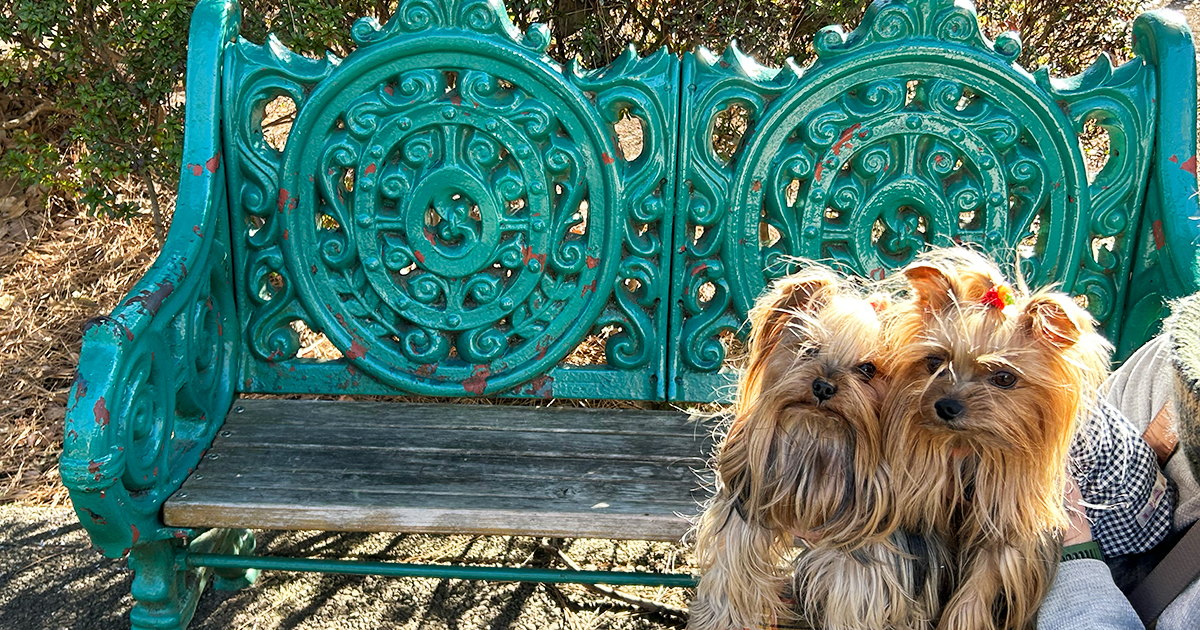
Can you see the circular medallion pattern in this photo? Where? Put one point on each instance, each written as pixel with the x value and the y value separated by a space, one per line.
pixel 451 231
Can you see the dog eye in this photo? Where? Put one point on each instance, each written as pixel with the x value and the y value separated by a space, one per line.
pixel 1004 379
pixel 867 370
pixel 933 364
pixel 811 351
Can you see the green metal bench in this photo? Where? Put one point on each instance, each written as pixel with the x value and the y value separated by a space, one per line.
pixel 453 212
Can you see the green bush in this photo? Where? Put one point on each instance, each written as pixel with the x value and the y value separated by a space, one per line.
pixel 103 80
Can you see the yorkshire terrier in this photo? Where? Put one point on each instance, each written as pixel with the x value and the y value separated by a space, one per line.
pixel 987 384
pixel 804 458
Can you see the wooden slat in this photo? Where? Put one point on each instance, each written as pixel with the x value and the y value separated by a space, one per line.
pixel 371 466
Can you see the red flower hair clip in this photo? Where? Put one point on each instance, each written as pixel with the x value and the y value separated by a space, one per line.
pixel 998 296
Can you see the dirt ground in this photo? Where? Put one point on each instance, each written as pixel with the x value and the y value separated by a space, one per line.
pixel 54 580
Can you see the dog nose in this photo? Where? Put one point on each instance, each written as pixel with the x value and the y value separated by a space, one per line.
pixel 948 409
pixel 823 389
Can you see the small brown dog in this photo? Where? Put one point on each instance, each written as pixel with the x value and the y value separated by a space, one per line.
pixel 804 457
pixel 987 386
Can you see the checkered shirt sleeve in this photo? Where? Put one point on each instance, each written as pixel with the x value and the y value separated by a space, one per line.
pixel 1128 499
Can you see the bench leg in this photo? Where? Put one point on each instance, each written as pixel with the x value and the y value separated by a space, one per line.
pixel 164 595
pixel 239 542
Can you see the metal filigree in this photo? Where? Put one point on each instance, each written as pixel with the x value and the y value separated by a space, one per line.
pixel 913 130
pixel 456 219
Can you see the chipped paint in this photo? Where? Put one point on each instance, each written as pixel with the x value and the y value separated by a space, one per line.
pixel 213 163
pixel 608 159
pixel 757 186
pixel 135 533
pixel 592 262
pixel 100 411
pixel 699 269
pixel 426 370
pixel 527 252
pixel 196 169
pixel 1189 166
pixel 370 170
pixel 419 256
pixel 151 301
pixel 356 351
pixel 96 518
pixel 542 387
pixel 844 141
pixel 477 383
pixel 1160 240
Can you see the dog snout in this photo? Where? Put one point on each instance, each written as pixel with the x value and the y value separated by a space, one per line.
pixel 823 389
pixel 948 409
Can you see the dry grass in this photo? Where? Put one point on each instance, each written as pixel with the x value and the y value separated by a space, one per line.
pixel 57 270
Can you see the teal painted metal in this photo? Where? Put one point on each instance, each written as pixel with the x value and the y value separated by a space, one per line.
pixel 452 211
pixel 1165 266
pixel 913 130
pixel 155 377
pixel 438 571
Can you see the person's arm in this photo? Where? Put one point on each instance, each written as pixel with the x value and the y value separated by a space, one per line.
pixel 1083 595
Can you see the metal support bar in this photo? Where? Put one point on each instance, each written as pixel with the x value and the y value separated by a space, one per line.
pixel 397 569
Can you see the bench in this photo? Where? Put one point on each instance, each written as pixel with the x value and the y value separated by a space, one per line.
pixel 452 211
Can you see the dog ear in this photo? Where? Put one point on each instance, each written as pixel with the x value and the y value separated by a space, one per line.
pixel 931 284
pixel 1055 319
pixel 799 294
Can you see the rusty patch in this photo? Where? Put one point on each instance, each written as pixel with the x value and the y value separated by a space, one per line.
pixel 844 141
pixel 699 269
pixel 419 256
pixel 136 534
pixel 527 252
pixel 285 234
pixel 426 370
pixel 1189 166
pixel 196 169
pixel 356 351
pixel 456 99
pixel 96 518
pixel 592 262
pixel 757 185
pixel 478 381
pixel 1160 239
pixel 151 301
pixel 1174 159
pixel 370 170
pixel 542 387
pixel 608 159
pixel 100 410
pixel 284 198
pixel 213 163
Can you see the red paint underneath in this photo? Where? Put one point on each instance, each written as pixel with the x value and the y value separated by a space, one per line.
pixel 478 381
pixel 101 412
pixel 356 351
pixel 1160 240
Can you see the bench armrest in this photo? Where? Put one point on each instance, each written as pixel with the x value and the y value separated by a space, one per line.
pixel 155 377
pixel 1165 265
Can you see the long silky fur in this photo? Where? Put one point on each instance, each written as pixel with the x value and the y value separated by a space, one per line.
pixel 994 487
pixel 789 465
pixel 893 583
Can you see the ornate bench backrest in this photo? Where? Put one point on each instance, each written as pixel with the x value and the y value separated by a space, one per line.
pixel 454 212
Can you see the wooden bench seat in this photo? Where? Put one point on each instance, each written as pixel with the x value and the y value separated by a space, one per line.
pixel 478 469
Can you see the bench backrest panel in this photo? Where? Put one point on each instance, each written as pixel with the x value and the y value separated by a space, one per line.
pixel 453 211
pixel 912 130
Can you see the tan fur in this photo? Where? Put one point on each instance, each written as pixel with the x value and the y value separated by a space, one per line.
pixel 801 465
pixel 991 479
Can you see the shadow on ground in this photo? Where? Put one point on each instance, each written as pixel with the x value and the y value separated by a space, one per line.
pixel 53 579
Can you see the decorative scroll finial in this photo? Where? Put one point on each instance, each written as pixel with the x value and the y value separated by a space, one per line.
pixel 486 17
pixel 892 20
